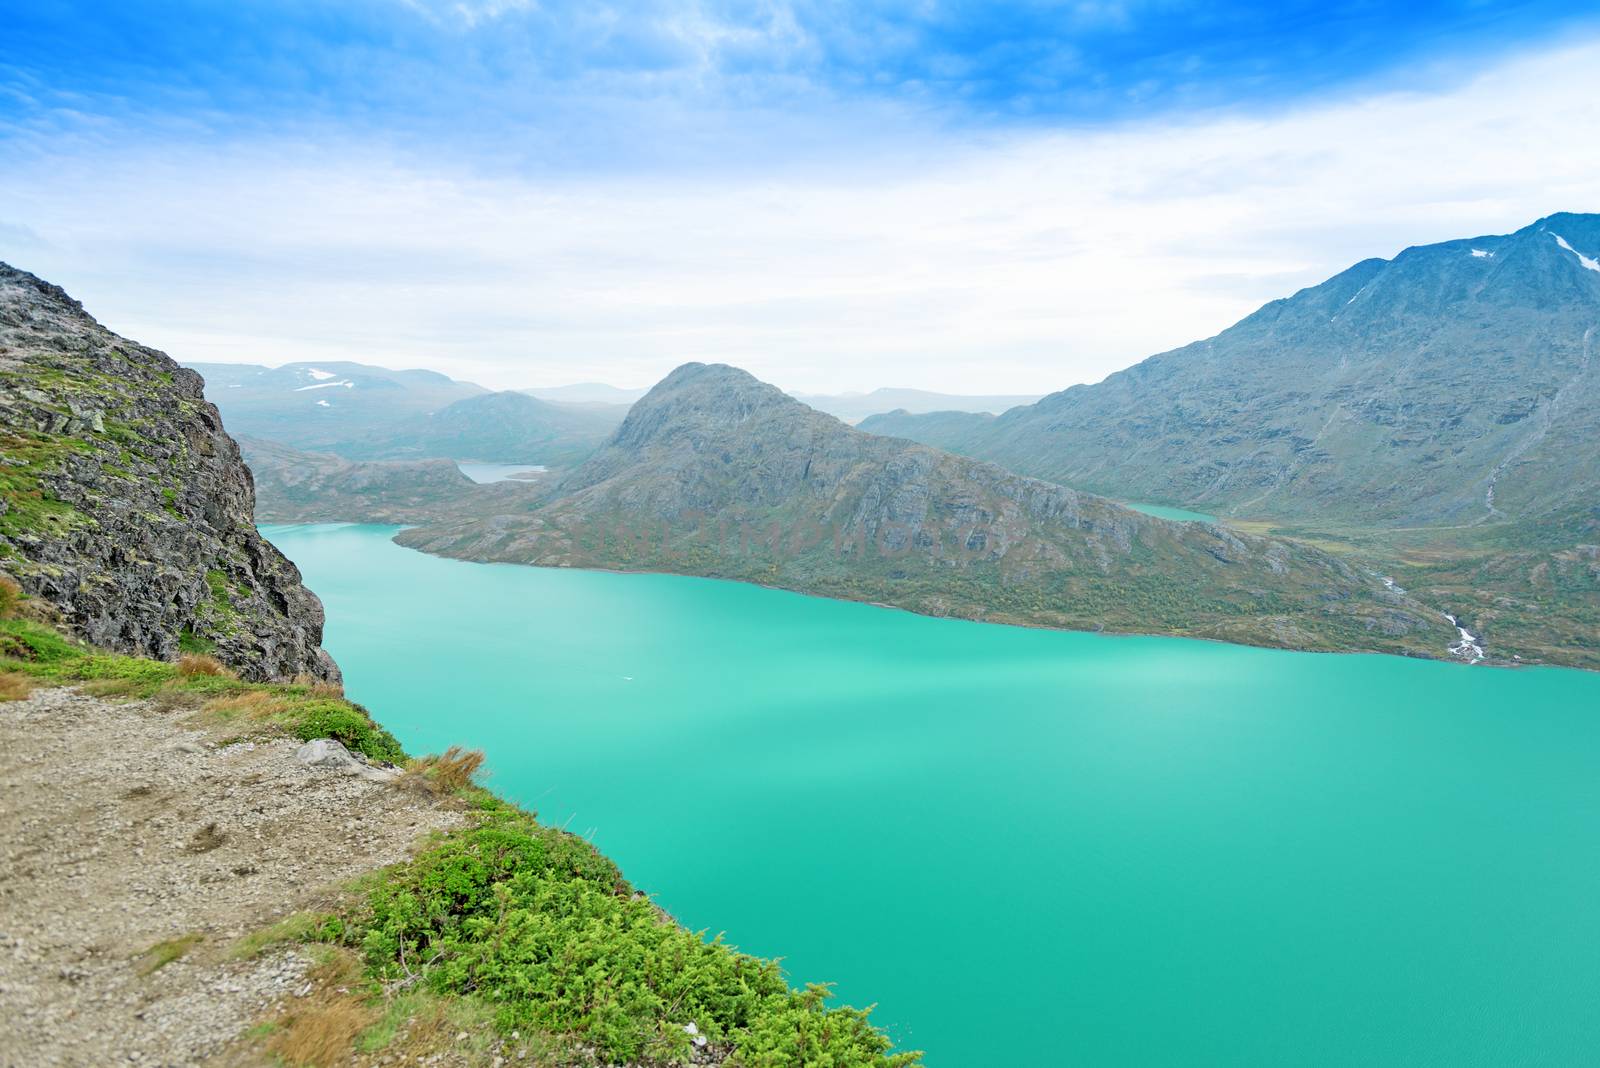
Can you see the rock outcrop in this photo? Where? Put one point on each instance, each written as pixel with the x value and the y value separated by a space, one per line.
pixel 124 502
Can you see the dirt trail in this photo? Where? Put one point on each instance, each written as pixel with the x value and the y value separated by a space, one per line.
pixel 121 827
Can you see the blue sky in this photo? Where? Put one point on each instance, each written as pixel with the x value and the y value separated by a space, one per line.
pixel 601 191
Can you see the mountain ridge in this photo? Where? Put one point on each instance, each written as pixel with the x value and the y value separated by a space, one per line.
pixel 1379 395
pixel 716 473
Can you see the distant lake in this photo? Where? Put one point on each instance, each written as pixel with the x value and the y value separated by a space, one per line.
pixel 1161 511
pixel 496 472
pixel 1031 848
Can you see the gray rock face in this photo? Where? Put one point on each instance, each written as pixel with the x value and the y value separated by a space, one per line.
pixel 124 503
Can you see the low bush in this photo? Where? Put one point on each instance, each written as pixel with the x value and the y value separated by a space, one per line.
pixel 10 596
pixel 328 717
pixel 543 928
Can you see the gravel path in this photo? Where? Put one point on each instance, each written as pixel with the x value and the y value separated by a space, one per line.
pixel 123 826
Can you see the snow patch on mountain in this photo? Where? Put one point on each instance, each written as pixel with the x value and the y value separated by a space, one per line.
pixel 1588 263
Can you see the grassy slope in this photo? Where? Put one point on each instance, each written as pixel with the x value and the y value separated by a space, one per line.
pixel 523 926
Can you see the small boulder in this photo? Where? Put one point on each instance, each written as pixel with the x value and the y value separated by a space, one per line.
pixel 326 753
pixel 330 753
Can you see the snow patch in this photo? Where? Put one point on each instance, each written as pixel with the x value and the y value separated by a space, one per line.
pixel 1388 584
pixel 1480 254
pixel 319 376
pixel 323 404
pixel 325 385
pixel 1588 263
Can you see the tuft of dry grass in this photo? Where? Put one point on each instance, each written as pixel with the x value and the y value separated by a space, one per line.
pixel 14 686
pixel 250 704
pixel 323 1030
pixel 316 687
pixel 192 664
pixel 10 596
pixel 110 687
pixel 321 1034
pixel 446 772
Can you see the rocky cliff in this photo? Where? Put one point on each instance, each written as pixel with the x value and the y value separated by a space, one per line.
pixel 125 505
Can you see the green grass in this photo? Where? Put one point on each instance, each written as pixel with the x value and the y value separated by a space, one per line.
pixel 537 925
pixel 296 927
pixel 190 642
pixel 305 712
pixel 29 509
pixel 162 954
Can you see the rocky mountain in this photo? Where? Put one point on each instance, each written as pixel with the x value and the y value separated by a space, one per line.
pixel 1455 384
pixel 308 487
pixel 325 406
pixel 504 427
pixel 716 473
pixel 124 504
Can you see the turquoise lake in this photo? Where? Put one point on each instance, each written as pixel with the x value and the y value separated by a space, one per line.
pixel 1029 847
pixel 1162 511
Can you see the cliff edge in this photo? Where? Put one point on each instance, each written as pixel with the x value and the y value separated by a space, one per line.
pixel 125 505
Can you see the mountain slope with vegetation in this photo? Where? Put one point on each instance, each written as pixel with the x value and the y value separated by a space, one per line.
pixel 125 505
pixel 1455 384
pixel 716 473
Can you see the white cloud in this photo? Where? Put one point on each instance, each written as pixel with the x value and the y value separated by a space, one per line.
pixel 1020 263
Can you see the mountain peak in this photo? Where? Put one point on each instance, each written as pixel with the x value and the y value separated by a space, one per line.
pixel 1452 384
pixel 698 398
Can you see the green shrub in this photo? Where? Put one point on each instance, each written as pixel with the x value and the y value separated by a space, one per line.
pixel 346 723
pixel 539 924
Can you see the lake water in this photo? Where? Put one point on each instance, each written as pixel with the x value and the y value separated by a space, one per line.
pixel 1029 847
pixel 496 472
pixel 1161 511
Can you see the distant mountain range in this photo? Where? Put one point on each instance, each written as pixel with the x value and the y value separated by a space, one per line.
pixel 494 427
pixel 363 412
pixel 324 406
pixel 360 411
pixel 587 393
pixel 854 407
pixel 851 407
pixel 716 473
pixel 1454 384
